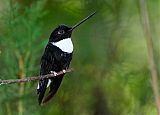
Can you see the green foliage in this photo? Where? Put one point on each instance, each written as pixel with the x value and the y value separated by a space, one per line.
pixel 20 43
pixel 110 75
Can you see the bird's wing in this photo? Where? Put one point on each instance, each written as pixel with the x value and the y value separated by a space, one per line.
pixel 56 82
pixel 46 66
pixel 53 88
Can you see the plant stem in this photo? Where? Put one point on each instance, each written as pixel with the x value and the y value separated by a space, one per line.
pixel 21 75
pixel 151 61
pixel 8 109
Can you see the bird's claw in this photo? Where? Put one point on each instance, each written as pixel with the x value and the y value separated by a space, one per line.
pixel 54 73
pixel 64 71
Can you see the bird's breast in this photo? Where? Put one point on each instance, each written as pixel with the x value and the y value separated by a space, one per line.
pixel 65 45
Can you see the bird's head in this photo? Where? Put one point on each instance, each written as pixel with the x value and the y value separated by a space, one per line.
pixel 64 32
pixel 60 33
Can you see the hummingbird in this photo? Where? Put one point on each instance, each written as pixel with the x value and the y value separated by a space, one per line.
pixel 56 57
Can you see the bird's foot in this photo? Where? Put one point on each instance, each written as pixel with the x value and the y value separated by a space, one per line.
pixel 54 73
pixel 64 71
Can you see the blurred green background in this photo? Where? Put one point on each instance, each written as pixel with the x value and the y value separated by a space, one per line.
pixel 111 75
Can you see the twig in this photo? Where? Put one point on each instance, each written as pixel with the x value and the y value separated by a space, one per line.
pixel 153 69
pixel 28 79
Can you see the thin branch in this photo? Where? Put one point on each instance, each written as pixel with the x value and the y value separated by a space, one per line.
pixel 28 79
pixel 151 61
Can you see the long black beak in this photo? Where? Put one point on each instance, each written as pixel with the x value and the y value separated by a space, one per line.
pixel 79 23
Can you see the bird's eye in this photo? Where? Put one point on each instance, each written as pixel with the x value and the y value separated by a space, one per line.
pixel 61 32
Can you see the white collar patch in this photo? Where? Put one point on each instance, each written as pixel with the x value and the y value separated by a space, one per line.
pixel 65 45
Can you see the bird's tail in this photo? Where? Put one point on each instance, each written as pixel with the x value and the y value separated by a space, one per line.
pixel 53 88
pixel 41 89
